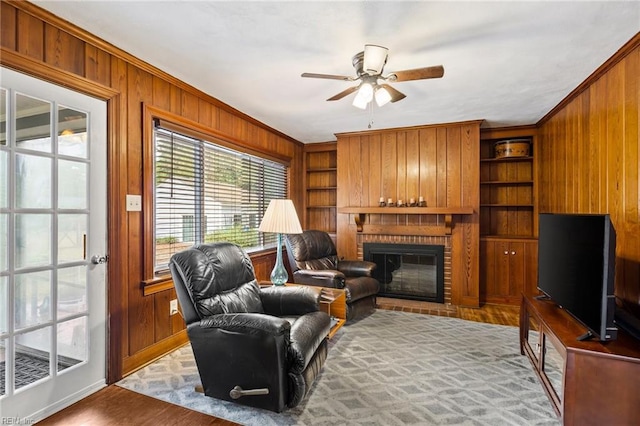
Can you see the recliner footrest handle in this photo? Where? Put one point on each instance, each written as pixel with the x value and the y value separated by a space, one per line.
pixel 238 392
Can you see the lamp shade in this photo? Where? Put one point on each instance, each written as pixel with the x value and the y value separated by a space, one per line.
pixel 366 91
pixel 360 101
pixel 382 96
pixel 280 218
pixel 364 96
pixel 374 58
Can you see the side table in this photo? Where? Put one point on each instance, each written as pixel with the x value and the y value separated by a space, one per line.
pixel 333 301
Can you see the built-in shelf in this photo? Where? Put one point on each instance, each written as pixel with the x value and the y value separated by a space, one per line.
pixel 507 219
pixel 507 205
pixel 505 159
pixel 507 182
pixel 320 183
pixel 319 170
pixel 507 186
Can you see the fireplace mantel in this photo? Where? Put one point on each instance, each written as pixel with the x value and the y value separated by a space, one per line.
pixel 406 210
pixel 448 212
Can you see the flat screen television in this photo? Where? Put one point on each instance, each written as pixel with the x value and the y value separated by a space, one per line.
pixel 576 268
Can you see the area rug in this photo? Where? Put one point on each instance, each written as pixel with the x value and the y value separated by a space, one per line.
pixel 391 368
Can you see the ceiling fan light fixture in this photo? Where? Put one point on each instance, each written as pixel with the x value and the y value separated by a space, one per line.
pixel 360 102
pixel 369 65
pixel 364 96
pixel 374 58
pixel 382 96
pixel 366 91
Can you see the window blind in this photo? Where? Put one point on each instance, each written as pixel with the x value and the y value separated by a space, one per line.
pixel 206 193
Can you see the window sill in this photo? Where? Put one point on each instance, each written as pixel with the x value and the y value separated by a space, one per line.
pixel 156 285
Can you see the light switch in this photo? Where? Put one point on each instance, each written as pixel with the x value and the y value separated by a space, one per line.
pixel 134 203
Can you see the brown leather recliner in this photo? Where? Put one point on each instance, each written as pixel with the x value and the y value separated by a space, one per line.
pixel 313 260
pixel 271 341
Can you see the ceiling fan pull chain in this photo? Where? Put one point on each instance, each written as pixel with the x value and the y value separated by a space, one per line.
pixel 370 114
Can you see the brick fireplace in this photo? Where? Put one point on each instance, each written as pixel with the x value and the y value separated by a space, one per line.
pixel 408 271
pixel 415 242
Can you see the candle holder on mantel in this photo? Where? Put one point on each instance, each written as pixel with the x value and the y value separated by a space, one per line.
pixel 382 203
pixel 421 202
pixel 390 203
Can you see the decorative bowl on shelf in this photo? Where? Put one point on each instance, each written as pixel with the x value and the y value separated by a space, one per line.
pixel 511 148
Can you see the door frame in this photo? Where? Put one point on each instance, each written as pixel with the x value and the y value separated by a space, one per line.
pixel 117 269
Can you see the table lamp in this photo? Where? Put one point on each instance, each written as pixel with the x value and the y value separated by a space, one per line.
pixel 280 218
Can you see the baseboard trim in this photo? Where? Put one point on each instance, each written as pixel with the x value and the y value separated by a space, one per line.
pixel 153 352
pixel 66 402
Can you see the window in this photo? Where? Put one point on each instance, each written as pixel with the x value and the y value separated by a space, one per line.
pixel 206 192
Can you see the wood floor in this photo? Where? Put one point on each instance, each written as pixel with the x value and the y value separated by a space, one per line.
pixel 115 406
pixel 491 314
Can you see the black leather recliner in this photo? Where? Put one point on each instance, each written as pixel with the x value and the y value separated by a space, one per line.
pixel 313 260
pixel 248 338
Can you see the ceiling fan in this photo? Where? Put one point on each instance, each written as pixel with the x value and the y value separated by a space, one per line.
pixel 369 65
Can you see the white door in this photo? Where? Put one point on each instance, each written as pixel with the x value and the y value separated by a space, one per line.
pixel 52 221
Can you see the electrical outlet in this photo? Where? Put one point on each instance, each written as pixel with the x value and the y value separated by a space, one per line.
pixel 134 203
pixel 173 307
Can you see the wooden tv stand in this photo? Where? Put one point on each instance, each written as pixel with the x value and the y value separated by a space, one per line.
pixel 589 382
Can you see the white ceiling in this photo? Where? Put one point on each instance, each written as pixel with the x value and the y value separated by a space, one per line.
pixel 508 63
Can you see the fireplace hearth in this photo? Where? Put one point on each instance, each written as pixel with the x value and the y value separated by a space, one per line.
pixel 408 271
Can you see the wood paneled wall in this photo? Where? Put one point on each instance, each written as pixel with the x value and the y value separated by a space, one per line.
pixel 588 163
pixel 589 159
pixel 40 44
pixel 439 163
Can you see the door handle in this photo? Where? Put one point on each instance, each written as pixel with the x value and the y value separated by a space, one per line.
pixel 98 259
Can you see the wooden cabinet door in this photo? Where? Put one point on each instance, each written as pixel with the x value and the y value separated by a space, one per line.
pixel 489 281
pixel 495 271
pixel 508 268
pixel 487 269
pixel 503 269
pixel 516 255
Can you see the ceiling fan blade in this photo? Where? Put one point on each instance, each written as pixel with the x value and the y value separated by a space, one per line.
pixel 419 73
pixel 344 93
pixel 396 95
pixel 327 76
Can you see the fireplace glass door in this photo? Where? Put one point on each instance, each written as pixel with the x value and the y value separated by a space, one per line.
pixel 408 271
